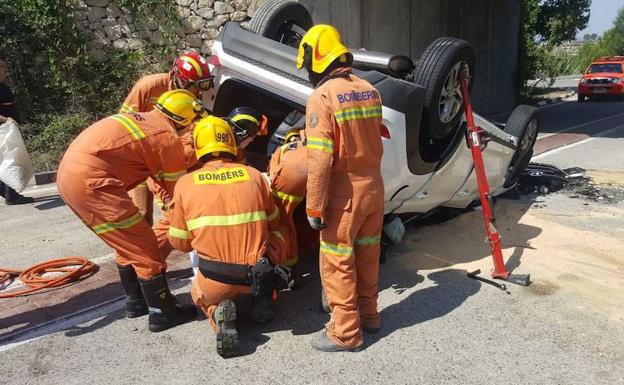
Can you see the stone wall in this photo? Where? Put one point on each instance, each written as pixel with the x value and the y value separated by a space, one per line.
pixel 105 24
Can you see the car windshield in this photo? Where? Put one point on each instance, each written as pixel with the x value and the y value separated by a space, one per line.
pixel 605 67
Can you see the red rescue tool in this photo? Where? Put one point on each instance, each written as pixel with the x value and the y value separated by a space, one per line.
pixel 476 137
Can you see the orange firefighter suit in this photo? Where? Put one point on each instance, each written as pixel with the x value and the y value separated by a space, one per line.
pixel 288 172
pixel 343 123
pixel 142 98
pixel 233 226
pixel 107 160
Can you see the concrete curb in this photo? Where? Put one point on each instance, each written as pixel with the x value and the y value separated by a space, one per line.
pixel 567 97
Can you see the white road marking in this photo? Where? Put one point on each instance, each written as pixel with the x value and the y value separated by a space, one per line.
pixel 568 129
pixel 559 149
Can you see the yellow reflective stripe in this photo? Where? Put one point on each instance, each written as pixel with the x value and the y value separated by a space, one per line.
pixel 110 226
pixel 194 63
pixel 179 233
pixel 278 234
pixel 225 220
pixel 274 214
pixel 172 176
pixel 126 108
pixel 245 116
pixel 326 145
pixel 153 99
pixel 357 113
pixel 341 251
pixel 286 197
pixel 368 241
pixel 132 127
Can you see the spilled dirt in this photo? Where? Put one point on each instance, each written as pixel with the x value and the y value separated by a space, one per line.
pixel 570 242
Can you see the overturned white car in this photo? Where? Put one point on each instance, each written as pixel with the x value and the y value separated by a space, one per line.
pixel 426 161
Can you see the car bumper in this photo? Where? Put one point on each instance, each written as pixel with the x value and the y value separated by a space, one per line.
pixel 600 89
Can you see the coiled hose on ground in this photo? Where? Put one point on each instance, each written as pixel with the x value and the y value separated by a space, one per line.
pixel 73 269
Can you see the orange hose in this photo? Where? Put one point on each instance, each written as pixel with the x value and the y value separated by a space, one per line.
pixel 33 277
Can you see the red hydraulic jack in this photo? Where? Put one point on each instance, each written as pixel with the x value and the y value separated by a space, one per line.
pixel 475 137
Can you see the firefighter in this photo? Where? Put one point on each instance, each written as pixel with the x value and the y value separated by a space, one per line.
pixel 190 72
pixel 288 172
pixel 247 123
pixel 101 165
pixel 345 193
pixel 230 231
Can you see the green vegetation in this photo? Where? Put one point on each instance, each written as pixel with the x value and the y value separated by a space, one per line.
pixel 545 24
pixel 611 43
pixel 61 88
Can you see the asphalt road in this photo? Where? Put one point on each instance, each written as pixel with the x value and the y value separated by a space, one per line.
pixel 438 326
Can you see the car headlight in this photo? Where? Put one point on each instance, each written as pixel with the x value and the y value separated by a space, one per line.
pixel 582 81
pixel 613 80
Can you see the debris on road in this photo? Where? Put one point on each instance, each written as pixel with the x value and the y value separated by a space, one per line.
pixel 542 179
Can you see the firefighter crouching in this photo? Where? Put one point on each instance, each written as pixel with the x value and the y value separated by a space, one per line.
pixel 231 232
pixel 101 165
pixel 288 172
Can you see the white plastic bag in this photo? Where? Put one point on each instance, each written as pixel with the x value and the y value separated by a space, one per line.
pixel 16 168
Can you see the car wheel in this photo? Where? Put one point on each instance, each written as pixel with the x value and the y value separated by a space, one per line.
pixel 581 98
pixel 437 70
pixel 285 21
pixel 523 123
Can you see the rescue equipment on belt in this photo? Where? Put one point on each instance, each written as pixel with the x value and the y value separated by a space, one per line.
pixel 263 277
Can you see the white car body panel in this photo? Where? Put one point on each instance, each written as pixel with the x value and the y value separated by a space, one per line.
pixel 453 185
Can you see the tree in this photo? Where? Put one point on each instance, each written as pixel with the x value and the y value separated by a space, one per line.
pixel 544 24
pixel 560 20
pixel 611 43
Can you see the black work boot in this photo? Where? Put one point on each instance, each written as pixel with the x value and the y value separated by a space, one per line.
pixel 227 335
pixel 12 197
pixel 164 310
pixel 135 304
pixel 263 310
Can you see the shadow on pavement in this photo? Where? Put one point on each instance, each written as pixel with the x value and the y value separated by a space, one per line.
pixel 451 290
pixel 21 326
pixel 49 202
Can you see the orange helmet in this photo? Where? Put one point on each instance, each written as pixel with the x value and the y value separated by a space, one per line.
pixel 192 69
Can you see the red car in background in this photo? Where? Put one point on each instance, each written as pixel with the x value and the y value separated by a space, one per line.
pixel 605 76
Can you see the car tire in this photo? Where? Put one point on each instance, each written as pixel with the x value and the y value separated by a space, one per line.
pixel 435 70
pixel 581 98
pixel 523 123
pixel 281 20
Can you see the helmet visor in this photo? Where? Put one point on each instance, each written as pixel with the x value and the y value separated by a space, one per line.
pixel 205 84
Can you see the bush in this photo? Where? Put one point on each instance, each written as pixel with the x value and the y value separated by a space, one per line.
pixel 60 87
pixel 47 137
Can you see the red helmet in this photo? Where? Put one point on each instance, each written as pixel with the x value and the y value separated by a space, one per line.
pixel 192 69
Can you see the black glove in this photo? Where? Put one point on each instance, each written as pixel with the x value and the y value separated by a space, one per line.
pixel 283 276
pixel 316 223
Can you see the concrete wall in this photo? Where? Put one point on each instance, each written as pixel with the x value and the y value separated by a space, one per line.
pixel 408 26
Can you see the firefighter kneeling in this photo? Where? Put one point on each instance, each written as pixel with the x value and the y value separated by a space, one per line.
pixel 225 211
